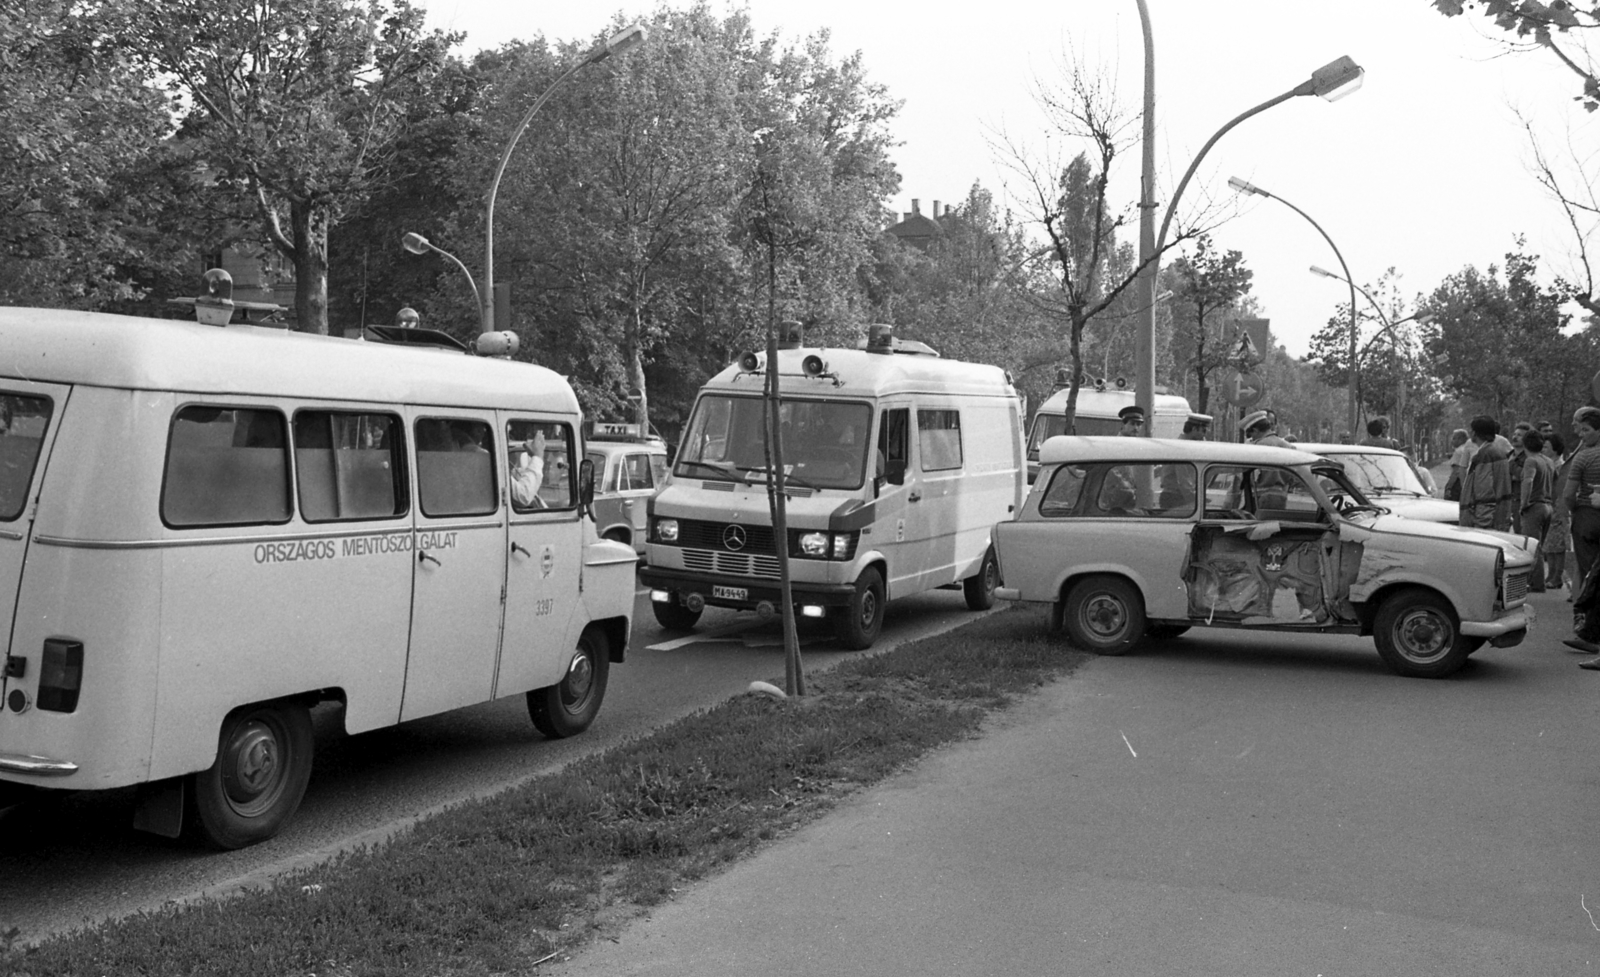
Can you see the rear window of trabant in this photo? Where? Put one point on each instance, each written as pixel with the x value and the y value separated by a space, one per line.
pixel 1120 489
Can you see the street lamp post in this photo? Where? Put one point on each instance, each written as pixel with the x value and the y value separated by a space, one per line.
pixel 1245 187
pixel 1332 81
pixel 1388 327
pixel 619 43
pixel 417 244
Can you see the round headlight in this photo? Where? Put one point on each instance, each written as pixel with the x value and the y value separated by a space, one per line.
pixel 667 530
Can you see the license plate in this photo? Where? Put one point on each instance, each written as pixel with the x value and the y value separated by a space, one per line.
pixel 730 593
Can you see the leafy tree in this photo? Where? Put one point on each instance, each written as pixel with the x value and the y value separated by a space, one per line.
pixel 1559 27
pixel 1493 335
pixel 297 105
pixel 1206 286
pixel 79 123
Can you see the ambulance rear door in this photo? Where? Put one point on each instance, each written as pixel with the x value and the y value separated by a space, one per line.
pixel 29 417
pixel 459 560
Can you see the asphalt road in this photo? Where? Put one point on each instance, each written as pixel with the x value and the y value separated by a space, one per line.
pixel 1226 803
pixel 76 860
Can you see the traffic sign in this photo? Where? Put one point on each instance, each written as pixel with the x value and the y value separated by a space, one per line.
pixel 1243 389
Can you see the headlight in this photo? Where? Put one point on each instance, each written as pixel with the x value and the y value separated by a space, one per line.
pixel 814 545
pixel 667 530
pixel 841 546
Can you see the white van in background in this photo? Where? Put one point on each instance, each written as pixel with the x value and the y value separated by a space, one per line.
pixel 1098 404
pixel 206 530
pixel 897 464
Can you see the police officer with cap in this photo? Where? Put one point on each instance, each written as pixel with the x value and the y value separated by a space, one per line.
pixel 1197 427
pixel 1132 421
pixel 1257 428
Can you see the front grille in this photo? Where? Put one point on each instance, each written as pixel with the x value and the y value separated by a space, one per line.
pixel 1515 588
pixel 731 564
pixel 705 535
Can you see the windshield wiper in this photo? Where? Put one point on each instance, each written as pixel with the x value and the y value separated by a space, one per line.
pixel 789 478
pixel 721 468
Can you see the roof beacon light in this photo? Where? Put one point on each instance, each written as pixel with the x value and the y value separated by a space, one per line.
pixel 503 344
pixel 214 307
pixel 749 362
pixel 813 366
pixel 880 338
pixel 791 335
pixel 1122 383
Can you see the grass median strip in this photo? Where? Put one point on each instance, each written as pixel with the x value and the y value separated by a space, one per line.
pixel 492 886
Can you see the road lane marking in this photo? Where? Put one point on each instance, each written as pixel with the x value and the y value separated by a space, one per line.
pixel 1130 745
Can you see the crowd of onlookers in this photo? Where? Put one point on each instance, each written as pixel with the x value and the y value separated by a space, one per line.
pixel 1541 484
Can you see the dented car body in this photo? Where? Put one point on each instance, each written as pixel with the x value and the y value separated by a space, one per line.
pixel 1128 538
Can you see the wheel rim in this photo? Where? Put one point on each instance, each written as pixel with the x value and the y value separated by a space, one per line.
pixel 1105 617
pixel 578 684
pixel 253 772
pixel 1423 634
pixel 991 576
pixel 869 608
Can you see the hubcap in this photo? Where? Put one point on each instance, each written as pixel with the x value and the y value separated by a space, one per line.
pixel 1105 616
pixel 575 688
pixel 869 608
pixel 253 766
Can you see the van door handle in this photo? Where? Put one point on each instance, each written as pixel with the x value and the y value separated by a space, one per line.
pixel 914 496
pixel 517 548
pixel 423 557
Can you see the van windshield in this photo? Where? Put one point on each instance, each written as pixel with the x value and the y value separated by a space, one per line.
pixel 824 442
pixel 22 423
pixel 1051 425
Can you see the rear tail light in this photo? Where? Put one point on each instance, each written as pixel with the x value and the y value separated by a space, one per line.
pixel 60 675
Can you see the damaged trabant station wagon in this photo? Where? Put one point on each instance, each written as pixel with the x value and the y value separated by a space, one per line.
pixel 1128 538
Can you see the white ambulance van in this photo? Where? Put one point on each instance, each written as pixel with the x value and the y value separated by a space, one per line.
pixel 207 530
pixel 897 466
pixel 1098 404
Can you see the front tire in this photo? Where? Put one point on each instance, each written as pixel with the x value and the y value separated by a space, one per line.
pixel 569 706
pixel 979 588
pixel 1104 615
pixel 673 616
pixel 858 624
pixel 259 777
pixel 1418 635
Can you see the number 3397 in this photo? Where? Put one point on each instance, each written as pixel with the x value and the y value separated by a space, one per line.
pixel 544 607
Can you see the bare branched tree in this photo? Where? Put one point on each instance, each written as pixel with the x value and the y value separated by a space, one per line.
pixel 1571 182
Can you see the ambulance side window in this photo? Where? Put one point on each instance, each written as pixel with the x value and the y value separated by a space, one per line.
pixel 349 466
pixel 455 467
pixel 22 423
pixel 556 487
pixel 939 439
pixel 226 466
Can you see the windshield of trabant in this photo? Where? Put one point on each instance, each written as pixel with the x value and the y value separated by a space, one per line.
pixel 824 441
pixel 1379 474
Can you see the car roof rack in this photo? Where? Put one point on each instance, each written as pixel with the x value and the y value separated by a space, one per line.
pixel 411 336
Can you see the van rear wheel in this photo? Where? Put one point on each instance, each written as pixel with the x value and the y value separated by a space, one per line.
pixel 979 588
pixel 259 777
pixel 569 706
pixel 858 623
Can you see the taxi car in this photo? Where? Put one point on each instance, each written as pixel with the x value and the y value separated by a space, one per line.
pixel 1129 538
pixel 628 468
pixel 1388 478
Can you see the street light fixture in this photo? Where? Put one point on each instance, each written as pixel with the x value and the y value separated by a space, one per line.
pixel 621 42
pixel 417 244
pixel 1332 81
pixel 1243 186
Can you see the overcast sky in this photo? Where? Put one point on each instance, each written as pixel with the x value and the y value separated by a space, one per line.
pixel 1424 169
